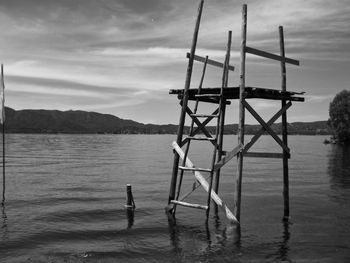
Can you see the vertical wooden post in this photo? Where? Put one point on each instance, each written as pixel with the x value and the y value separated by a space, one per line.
pixel 237 194
pixel 130 203
pixel 223 111
pixel 284 130
pixel 3 165
pixel 172 191
pixel 3 134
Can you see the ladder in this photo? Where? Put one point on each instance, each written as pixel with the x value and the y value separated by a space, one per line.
pixel 216 140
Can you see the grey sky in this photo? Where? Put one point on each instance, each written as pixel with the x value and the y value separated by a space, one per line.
pixel 122 56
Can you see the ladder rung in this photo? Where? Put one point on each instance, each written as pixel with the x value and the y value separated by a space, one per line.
pixel 205 115
pixel 189 204
pixel 207 95
pixel 201 138
pixel 194 169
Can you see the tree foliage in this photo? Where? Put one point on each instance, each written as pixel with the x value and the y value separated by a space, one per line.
pixel 339 117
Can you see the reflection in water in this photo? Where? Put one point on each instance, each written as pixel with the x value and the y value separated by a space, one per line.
pixel 130 213
pixel 339 171
pixel 283 248
pixel 4 229
pixel 222 240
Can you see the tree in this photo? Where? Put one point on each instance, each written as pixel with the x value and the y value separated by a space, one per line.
pixel 339 117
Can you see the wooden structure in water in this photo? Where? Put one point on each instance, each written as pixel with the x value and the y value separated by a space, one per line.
pixel 222 96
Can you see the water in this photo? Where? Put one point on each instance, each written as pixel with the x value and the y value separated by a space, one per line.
pixel 66 196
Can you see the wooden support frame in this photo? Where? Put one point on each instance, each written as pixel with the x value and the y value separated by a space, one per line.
pixel 264 54
pixel 222 96
pixel 205 185
pixel 269 123
pixel 200 125
pixel 266 127
pixel 286 155
pixel 210 62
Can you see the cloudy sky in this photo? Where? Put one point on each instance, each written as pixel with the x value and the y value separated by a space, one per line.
pixel 122 56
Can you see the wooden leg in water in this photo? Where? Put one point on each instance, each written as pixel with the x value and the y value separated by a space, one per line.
pixel 284 131
pixel 238 190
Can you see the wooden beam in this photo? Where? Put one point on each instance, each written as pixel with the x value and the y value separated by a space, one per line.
pixel 204 207
pixel 210 62
pixel 201 125
pixel 221 123
pixel 264 54
pixel 263 155
pixel 241 117
pixel 262 130
pixel 284 129
pixel 266 127
pixel 228 156
pixel 199 177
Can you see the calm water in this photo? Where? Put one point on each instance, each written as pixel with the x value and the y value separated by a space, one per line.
pixel 66 196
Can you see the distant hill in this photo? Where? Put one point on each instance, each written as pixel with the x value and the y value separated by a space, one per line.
pixel 54 121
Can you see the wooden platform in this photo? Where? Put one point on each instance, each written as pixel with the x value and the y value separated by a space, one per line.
pixel 232 93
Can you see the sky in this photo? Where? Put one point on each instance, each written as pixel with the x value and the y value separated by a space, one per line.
pixel 122 57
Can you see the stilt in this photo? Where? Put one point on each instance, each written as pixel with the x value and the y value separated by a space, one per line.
pixel 2 121
pixel 130 203
pixel 284 130
pixel 222 115
pixel 237 193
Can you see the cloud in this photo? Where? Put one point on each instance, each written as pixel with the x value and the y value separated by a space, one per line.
pixel 125 52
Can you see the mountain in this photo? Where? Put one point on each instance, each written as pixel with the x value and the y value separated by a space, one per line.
pixel 54 121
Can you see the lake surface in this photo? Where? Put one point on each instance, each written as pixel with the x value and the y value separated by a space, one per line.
pixel 66 195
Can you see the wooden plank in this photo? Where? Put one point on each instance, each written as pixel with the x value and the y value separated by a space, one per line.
pixel 263 155
pixel 207 95
pixel 264 54
pixel 204 115
pixel 262 130
pixel 204 207
pixel 231 93
pixel 205 185
pixel 195 169
pixel 228 156
pixel 266 127
pixel 210 62
pixel 201 138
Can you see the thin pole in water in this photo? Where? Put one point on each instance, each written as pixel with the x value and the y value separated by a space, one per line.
pixel 3 135
pixel 130 203
pixel 3 165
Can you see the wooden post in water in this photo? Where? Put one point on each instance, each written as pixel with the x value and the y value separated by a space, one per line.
pixel 237 194
pixel 130 203
pixel 2 118
pixel 223 111
pixel 173 183
pixel 284 130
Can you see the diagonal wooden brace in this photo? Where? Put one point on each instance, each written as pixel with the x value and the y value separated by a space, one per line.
pixel 266 126
pixel 201 125
pixel 228 157
pixel 262 130
pixel 205 185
